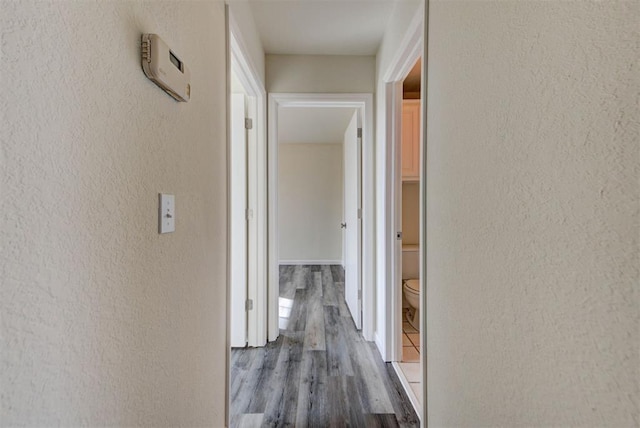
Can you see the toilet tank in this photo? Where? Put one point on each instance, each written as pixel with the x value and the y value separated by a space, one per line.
pixel 410 262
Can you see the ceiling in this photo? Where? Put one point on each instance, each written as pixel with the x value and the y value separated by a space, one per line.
pixel 321 27
pixel 313 124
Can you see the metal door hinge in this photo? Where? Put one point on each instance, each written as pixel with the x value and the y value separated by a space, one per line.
pixel 360 294
pixel 359 132
pixel 249 213
pixel 248 123
pixel 248 305
pixel 359 213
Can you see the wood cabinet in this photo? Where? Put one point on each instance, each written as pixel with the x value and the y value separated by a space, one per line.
pixel 410 150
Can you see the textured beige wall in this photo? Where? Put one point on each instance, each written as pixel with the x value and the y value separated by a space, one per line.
pixel 310 204
pixel 532 222
pixel 105 322
pixel 320 73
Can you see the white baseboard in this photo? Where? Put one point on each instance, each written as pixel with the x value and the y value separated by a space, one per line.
pixel 310 262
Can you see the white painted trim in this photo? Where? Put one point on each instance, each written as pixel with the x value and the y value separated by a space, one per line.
pixel 407 388
pixel 394 127
pixel 273 284
pixel 247 72
pixel 363 101
pixel 423 218
pixel 409 51
pixel 249 77
pixel 310 262
pixel 227 372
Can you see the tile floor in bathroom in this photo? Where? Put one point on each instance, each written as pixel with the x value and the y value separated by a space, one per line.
pixel 410 364
pixel 410 340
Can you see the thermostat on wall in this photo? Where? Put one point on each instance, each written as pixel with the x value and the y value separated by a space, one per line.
pixel 165 68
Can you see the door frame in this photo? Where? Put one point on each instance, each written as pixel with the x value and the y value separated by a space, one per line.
pixel 411 49
pixel 357 316
pixel 363 102
pixel 238 224
pixel 249 77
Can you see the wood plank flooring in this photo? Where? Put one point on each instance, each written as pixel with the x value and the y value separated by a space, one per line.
pixel 320 372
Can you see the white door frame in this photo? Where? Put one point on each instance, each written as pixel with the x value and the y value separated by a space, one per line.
pixel 423 211
pixel 364 102
pixel 238 223
pixel 248 76
pixel 410 50
pixel 351 205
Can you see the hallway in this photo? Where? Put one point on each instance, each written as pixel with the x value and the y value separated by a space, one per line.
pixel 320 371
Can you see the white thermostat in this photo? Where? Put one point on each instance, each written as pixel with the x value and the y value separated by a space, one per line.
pixel 165 68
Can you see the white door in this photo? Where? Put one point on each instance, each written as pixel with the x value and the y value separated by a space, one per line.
pixel 352 210
pixel 238 222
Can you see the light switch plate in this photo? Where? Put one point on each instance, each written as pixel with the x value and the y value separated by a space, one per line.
pixel 167 213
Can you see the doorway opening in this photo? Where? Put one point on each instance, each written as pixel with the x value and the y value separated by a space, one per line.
pixel 247 197
pixel 408 220
pixel 404 165
pixel 288 227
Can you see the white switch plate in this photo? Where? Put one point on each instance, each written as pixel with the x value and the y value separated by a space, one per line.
pixel 167 213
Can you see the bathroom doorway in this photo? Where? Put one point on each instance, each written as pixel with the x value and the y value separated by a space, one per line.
pixel 407 215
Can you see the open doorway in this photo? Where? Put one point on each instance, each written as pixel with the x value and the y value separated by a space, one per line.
pixel 319 198
pixel 283 249
pixel 247 198
pixel 403 129
pixel 407 208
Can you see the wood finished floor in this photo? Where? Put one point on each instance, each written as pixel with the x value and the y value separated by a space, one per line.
pixel 320 372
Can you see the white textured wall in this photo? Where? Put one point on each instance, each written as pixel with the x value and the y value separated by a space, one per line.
pixel 532 222
pixel 320 73
pixel 105 322
pixel 310 188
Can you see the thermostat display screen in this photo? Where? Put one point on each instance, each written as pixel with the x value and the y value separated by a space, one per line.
pixel 174 59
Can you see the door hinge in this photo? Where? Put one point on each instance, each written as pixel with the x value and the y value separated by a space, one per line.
pixel 248 305
pixel 359 132
pixel 248 123
pixel 359 213
pixel 249 214
pixel 360 294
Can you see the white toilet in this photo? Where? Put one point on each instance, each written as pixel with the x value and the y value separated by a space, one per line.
pixel 411 282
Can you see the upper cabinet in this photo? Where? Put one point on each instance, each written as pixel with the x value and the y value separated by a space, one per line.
pixel 410 140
